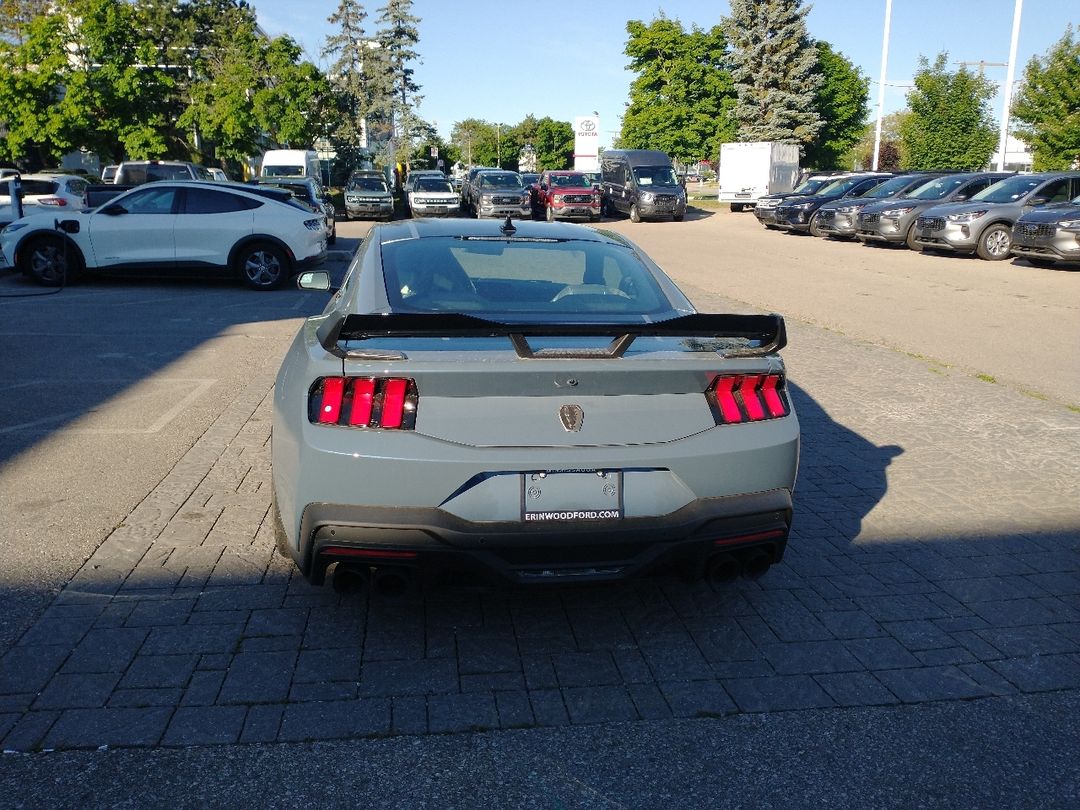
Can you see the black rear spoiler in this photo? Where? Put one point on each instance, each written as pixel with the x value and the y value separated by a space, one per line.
pixel 764 334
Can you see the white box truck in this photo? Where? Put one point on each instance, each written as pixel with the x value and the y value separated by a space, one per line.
pixel 756 169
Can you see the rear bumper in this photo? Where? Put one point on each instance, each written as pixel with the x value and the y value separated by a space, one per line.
pixel 438 542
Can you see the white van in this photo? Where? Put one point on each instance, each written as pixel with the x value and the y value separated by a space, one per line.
pixel 291 163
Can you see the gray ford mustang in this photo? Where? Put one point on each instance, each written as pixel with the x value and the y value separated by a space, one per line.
pixel 532 401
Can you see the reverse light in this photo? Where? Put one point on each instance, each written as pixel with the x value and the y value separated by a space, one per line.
pixel 966 216
pixel 364 402
pixel 747 398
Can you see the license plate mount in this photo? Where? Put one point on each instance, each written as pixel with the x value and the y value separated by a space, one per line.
pixel 571 496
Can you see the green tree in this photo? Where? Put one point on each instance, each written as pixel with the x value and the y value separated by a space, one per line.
pixel 950 125
pixel 351 77
pixel 82 76
pixel 554 144
pixel 1048 105
pixel 398 37
pixel 16 16
pixel 250 90
pixel 775 70
pixel 841 102
pixel 680 101
pixel 890 152
pixel 470 137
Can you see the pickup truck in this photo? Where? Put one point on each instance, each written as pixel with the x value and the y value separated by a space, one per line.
pixel 567 195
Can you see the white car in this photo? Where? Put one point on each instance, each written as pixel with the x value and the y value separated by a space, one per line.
pixel 433 196
pixel 256 234
pixel 53 191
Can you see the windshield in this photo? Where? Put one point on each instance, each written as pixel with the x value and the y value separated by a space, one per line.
pixel 937 188
pixel 655 176
pixel 502 180
pixel 367 184
pixel 282 171
pixel 840 187
pixel 569 181
pixel 811 185
pixel 433 184
pixel 537 278
pixel 888 188
pixel 1009 190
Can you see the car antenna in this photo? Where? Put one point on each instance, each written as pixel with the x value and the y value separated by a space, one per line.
pixel 508 227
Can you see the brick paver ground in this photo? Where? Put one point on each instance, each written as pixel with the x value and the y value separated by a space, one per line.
pixel 935 556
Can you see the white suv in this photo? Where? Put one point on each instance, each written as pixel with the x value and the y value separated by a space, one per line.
pixel 256 234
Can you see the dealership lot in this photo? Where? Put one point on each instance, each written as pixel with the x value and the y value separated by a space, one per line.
pixel 935 552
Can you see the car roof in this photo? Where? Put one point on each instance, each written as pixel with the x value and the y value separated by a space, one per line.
pixel 52 176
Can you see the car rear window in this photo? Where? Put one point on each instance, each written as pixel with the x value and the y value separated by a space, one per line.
pixel 39 187
pixel 556 279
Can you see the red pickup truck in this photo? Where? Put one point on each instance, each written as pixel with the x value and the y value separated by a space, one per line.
pixel 567 195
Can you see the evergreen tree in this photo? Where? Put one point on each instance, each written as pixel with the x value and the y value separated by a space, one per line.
pixel 775 69
pixel 841 102
pixel 1048 105
pixel 398 36
pixel 680 101
pixel 950 125
pixel 357 61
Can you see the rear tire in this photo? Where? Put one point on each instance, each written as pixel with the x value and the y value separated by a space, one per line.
pixel 262 266
pixel 635 214
pixel 736 208
pixel 994 243
pixel 45 260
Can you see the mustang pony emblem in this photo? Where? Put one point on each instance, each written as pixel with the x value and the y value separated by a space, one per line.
pixel 571 417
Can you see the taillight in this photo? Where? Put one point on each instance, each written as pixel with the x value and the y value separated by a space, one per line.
pixel 51 201
pixel 364 402
pixel 747 398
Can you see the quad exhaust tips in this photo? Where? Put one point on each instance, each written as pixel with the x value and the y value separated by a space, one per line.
pixel 726 567
pixel 387 582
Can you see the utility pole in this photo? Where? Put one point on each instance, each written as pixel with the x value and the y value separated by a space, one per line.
pixel 983 64
pixel 881 87
pixel 1004 139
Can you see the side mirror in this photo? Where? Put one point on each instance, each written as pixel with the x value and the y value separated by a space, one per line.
pixel 314 280
pixel 67 225
pixel 114 210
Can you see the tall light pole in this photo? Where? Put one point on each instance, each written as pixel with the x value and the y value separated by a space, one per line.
pixel 1004 139
pixel 881 87
pixel 498 145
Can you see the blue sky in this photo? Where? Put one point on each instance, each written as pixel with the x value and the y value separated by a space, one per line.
pixel 500 60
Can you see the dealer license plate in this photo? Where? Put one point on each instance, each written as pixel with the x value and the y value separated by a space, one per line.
pixel 569 496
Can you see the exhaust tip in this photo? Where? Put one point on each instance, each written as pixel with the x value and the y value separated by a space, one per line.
pixel 722 568
pixel 392 583
pixel 350 581
pixel 756 562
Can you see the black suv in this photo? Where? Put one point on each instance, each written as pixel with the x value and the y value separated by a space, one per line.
pixel 801 213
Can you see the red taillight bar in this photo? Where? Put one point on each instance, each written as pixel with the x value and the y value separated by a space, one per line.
pixel 738 398
pixel 364 402
pixel 333 390
pixel 369 554
pixel 749 538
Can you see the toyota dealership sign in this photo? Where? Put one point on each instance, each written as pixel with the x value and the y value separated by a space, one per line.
pixel 587 143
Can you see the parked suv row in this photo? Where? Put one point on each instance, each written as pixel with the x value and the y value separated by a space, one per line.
pixel 993 215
